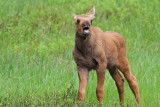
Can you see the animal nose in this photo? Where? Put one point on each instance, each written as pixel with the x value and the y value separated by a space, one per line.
pixel 85 25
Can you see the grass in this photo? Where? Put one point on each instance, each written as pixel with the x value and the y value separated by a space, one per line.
pixel 36 42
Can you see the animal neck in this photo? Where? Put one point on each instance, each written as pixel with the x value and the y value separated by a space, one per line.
pixel 83 44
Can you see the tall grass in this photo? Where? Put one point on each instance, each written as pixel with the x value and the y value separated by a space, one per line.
pixel 36 42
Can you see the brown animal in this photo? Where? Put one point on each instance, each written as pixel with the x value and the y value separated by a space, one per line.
pixel 98 50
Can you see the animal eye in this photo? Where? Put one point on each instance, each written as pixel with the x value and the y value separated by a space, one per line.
pixel 78 21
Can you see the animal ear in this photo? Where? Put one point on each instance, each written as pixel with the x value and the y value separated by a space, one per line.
pixel 75 18
pixel 92 12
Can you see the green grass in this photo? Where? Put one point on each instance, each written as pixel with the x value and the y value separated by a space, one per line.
pixel 36 42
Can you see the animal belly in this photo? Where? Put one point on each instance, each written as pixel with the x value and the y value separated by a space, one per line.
pixel 111 64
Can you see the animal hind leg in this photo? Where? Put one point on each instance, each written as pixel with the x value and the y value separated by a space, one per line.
pixel 119 82
pixel 124 67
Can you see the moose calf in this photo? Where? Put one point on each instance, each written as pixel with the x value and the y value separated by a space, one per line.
pixel 98 50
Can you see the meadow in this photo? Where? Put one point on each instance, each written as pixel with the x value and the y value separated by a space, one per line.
pixel 36 42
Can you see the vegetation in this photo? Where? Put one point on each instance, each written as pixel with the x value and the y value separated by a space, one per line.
pixel 36 42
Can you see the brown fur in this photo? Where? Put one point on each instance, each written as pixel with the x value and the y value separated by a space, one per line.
pixel 100 50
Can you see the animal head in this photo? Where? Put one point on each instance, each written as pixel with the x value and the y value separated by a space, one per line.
pixel 83 22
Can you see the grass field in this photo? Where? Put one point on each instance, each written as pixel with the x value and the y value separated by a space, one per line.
pixel 36 42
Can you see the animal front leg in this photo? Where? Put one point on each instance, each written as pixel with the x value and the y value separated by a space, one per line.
pixel 100 81
pixel 100 57
pixel 83 79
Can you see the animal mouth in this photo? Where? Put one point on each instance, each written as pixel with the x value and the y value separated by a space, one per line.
pixel 86 31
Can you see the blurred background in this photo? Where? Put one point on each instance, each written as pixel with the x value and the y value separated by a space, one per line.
pixel 36 42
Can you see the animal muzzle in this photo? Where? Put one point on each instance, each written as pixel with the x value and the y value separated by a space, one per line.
pixel 86 30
